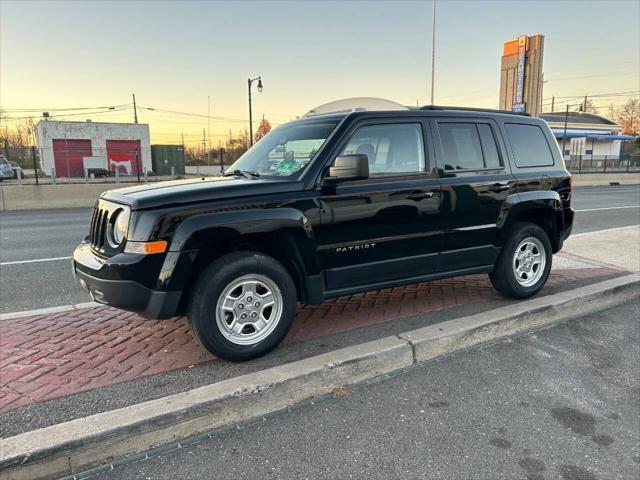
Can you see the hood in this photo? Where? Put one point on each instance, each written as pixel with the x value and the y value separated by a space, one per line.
pixel 193 190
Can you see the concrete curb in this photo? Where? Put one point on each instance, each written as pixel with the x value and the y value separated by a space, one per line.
pixel 74 446
pixel 453 335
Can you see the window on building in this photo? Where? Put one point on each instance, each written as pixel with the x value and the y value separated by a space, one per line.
pixel 390 149
pixel 468 146
pixel 529 145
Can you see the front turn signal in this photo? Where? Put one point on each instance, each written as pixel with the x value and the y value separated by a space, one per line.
pixel 146 248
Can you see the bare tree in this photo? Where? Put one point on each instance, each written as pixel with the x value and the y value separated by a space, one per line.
pixel 591 107
pixel 629 117
pixel 16 138
pixel 263 128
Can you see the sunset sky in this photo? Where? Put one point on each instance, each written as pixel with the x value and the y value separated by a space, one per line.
pixel 173 55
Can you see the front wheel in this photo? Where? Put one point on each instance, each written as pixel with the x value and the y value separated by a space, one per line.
pixel 524 264
pixel 242 306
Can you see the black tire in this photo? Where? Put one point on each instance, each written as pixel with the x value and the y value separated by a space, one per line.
pixel 503 277
pixel 211 284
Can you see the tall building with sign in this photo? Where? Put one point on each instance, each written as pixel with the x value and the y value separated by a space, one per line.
pixel 521 74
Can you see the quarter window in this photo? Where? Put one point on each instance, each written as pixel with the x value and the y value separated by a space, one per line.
pixel 468 146
pixel 489 147
pixel 529 145
pixel 390 149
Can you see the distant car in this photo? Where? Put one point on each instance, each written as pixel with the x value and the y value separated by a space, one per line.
pixel 5 168
pixel 16 168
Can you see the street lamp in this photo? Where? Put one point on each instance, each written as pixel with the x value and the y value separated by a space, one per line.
pixel 249 82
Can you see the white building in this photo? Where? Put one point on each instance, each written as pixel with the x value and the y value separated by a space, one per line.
pixel 588 135
pixel 68 148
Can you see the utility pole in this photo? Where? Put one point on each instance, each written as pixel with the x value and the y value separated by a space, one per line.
pixel 204 141
pixel 35 163
pixel 433 49
pixel 209 133
pixel 553 102
pixel 183 140
pixel 220 153
pixel 564 135
pixel 541 86
pixel 250 116
pixel 135 110
pixel 584 105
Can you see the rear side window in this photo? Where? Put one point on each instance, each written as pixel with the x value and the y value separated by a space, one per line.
pixel 529 145
pixel 468 146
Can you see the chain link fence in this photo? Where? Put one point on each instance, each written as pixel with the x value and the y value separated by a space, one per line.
pixel 69 162
pixel 603 163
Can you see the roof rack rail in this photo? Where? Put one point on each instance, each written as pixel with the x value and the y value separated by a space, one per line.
pixel 471 109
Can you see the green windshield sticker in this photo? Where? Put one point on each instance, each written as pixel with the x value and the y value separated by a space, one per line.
pixel 287 167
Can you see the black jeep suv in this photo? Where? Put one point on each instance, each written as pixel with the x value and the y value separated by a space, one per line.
pixel 331 205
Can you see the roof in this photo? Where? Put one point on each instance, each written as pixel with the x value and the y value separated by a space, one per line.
pixel 89 122
pixel 577 118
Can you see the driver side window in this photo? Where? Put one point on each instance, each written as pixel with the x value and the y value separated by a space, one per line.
pixel 391 149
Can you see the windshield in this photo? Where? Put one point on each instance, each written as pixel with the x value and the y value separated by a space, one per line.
pixel 286 150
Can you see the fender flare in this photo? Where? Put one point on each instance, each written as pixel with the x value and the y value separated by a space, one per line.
pixel 547 201
pixel 297 244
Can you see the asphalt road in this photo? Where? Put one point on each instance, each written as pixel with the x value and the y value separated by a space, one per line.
pixel 50 234
pixel 558 403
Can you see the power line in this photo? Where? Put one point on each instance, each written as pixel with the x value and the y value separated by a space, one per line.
pixel 594 66
pixel 98 112
pixel 593 76
pixel 631 93
pixel 38 110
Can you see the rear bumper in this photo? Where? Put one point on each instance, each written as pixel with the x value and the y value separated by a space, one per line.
pixel 567 226
pixel 100 279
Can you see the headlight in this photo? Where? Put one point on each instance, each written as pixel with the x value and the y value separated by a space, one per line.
pixel 120 225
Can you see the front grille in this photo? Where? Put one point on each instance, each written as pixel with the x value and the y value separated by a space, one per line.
pixel 103 215
pixel 98 230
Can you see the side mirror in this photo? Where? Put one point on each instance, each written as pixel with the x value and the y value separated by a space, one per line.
pixel 349 167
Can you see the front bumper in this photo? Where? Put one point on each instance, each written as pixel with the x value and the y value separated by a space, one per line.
pixel 107 283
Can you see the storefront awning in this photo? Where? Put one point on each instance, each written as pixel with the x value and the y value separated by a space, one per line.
pixel 591 136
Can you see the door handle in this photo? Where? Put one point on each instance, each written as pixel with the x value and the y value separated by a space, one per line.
pixel 419 196
pixel 498 187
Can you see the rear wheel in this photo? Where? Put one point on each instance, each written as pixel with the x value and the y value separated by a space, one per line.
pixel 524 264
pixel 242 306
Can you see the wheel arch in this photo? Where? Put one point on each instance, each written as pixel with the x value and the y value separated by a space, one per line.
pixel 540 208
pixel 284 234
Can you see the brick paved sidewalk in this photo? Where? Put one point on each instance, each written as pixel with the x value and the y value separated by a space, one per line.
pixel 49 356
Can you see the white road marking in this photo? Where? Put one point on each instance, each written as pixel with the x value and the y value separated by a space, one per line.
pixel 607 208
pixel 18 262
pixel 614 229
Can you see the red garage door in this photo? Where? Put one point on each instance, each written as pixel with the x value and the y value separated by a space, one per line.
pixel 124 155
pixel 67 156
